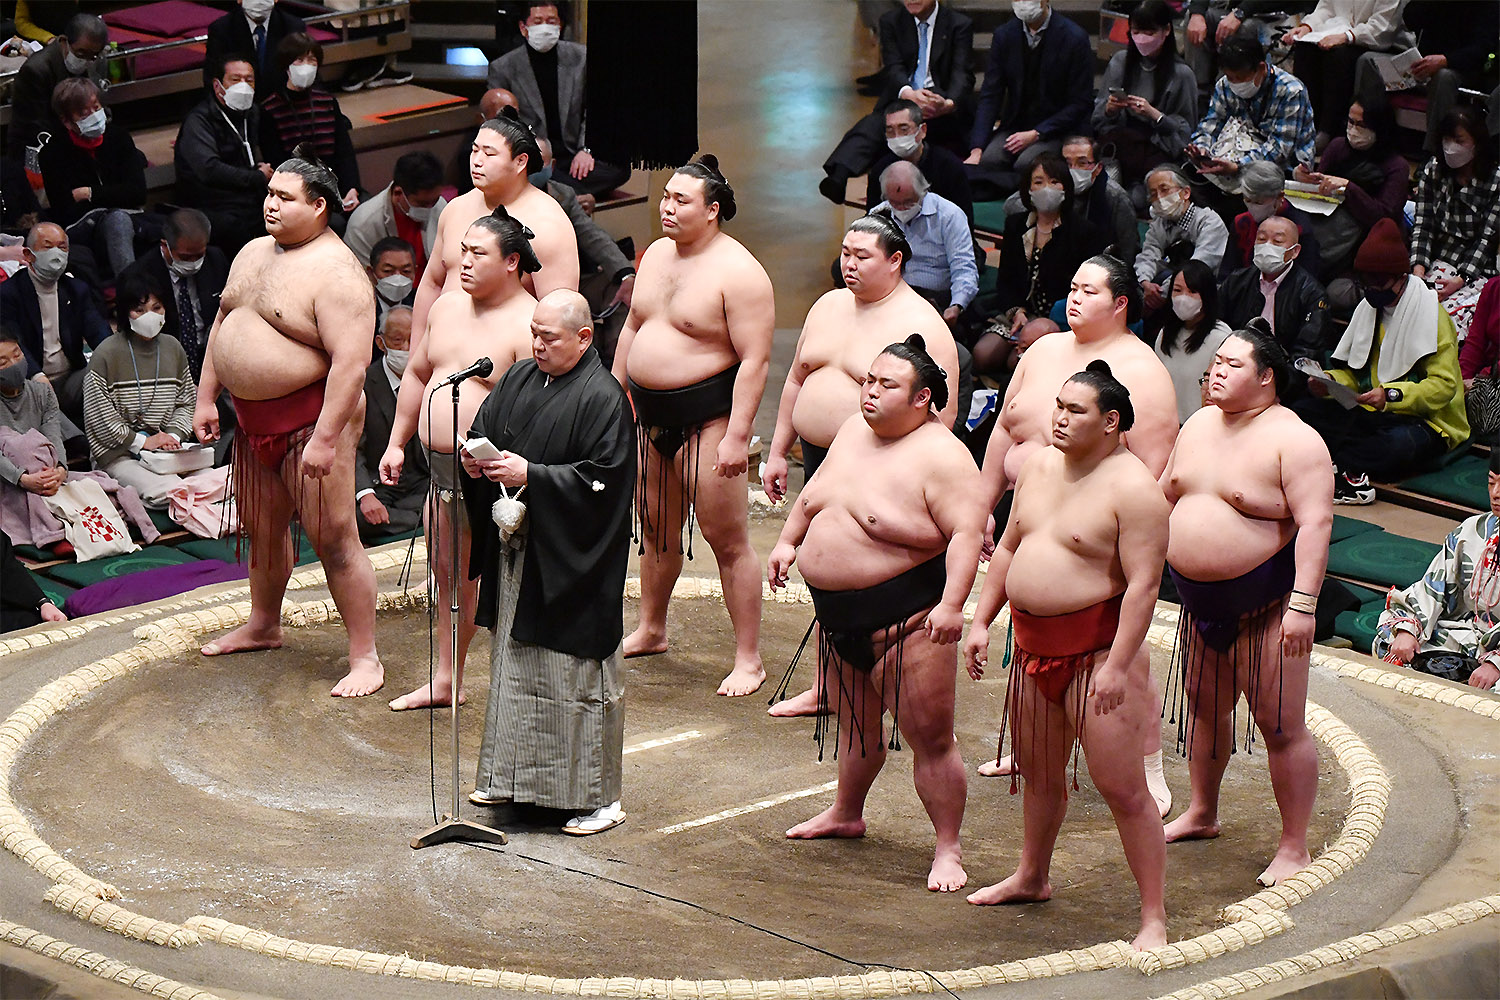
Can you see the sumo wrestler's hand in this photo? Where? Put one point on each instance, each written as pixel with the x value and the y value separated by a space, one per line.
pixel 945 624
pixel 317 459
pixel 977 651
pixel 776 476
pixel 779 566
pixel 392 462
pixel 1107 689
pixel 733 457
pixel 206 422
pixel 1297 633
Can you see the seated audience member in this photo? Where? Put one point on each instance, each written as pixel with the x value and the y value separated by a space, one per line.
pixel 1277 288
pixel 1256 112
pixel 997 353
pixel 94 174
pixel 303 112
pixel 393 272
pixel 1209 23
pixel 388 510
pixel 255 30
pixel 27 403
pixel 193 275
pixel 1479 362
pixel 219 167
pixel 906 139
pixel 926 56
pixel 1349 30
pixel 22 603
pixel 1263 190
pixel 1038 89
pixel 139 394
pixel 1098 198
pixel 1147 103
pixel 55 316
pixel 1457 42
pixel 547 77
pixel 1456 233
pixel 408 207
pixel 1399 355
pixel 1364 167
pixel 1179 231
pixel 1448 623
pixel 1191 334
pixel 1044 246
pixel 74 53
pixel 942 268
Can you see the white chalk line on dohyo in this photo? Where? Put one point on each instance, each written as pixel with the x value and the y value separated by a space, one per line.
pixel 753 807
pixel 169 637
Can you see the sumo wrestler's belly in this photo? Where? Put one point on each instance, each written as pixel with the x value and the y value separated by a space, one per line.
pixel 1047 577
pixel 1208 539
pixel 828 397
pixel 255 361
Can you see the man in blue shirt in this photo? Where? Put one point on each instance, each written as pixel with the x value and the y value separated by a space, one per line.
pixel 941 268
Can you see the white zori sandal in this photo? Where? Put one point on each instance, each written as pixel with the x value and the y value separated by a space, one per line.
pixel 601 819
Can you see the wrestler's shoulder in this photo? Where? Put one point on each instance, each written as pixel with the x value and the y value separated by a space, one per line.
pixel 832 304
pixel 734 254
pixel 941 448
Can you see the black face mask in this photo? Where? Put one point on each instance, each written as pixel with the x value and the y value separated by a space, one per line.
pixel 1381 298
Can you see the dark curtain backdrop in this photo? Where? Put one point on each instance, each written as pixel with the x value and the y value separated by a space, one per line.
pixel 643 81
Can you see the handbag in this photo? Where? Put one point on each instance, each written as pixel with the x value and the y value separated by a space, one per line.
pixel 508 512
pixel 90 522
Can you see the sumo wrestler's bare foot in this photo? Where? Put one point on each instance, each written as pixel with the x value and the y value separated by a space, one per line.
pixel 1153 934
pixel 427 696
pixel 365 676
pixel 1191 826
pixel 745 678
pixel 1016 889
pixel 644 642
pixel 805 703
pixel 947 874
pixel 828 823
pixel 1286 862
pixel 1002 767
pixel 247 637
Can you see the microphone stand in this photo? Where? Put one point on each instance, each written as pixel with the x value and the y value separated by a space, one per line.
pixel 453 826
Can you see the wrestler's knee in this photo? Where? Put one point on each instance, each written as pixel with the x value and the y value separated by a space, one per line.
pixel 728 537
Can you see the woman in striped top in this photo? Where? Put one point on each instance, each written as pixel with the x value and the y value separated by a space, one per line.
pixel 138 394
pixel 302 111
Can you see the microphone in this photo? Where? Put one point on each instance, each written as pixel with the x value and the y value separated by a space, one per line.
pixel 482 368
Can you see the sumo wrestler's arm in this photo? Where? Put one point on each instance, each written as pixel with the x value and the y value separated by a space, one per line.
pixel 1307 481
pixel 952 489
pixel 1142 517
pixel 345 313
pixel 750 315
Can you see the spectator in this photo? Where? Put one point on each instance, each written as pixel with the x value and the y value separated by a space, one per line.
pixel 193 274
pixel 22 603
pixel 1479 362
pixel 1276 287
pixel 1263 189
pixel 906 139
pixel 408 207
pixel 55 316
pixel 303 112
pixel 1400 357
pixel 27 403
pixel 1209 23
pixel 1457 229
pixel 1148 100
pixel 1458 37
pixel 139 394
pixel 393 272
pixel 1043 248
pixel 547 77
pixel 219 168
pixel 1179 231
pixel 941 268
pixel 254 31
pixel 1038 89
pixel 95 176
pixel 1445 623
pixel 1364 167
pixel 74 53
pixel 1350 28
pixel 997 353
pixel 388 510
pixel 1191 334
pixel 1098 197
pixel 926 56
pixel 40 20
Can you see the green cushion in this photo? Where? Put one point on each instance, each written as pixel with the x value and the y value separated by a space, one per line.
pixel 989 216
pixel 1358 626
pixel 56 592
pixel 1348 527
pixel 32 553
pixel 224 548
pixel 1379 557
pixel 1465 481
pixel 151 557
pixel 163 523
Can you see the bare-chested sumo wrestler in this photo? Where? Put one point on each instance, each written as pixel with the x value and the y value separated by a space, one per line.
pixel 694 355
pixel 1248 550
pixel 887 537
pixel 1080 562
pixel 487 316
pixel 1104 297
pixel 291 343
pixel 844 329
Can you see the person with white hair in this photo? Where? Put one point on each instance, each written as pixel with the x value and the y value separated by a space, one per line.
pixel 942 268
pixel 1179 231
pixel 1263 188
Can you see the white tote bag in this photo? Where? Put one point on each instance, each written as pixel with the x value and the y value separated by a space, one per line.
pixel 90 522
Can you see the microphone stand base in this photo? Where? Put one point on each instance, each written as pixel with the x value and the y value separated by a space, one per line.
pixel 452 828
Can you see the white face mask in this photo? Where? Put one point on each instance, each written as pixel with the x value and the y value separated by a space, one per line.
pixel 902 145
pixel 543 37
pixel 185 268
pixel 417 213
pixel 394 287
pixel 302 75
pixel 76 65
pixel 1245 90
pixel 239 97
pixel 1260 211
pixel 907 214
pixel 1456 154
pixel 1047 199
pixel 1360 137
pixel 1169 206
pixel 1187 307
pixel 1029 11
pixel 1269 257
pixel 257 10
pixel 1082 179
pixel 148 324
pixel 92 125
pixel 50 264
pixel 396 361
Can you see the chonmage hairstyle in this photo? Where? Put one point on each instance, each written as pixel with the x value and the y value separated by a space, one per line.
pixel 512 236
pixel 930 375
pixel 888 236
pixel 317 178
pixel 1267 352
pixel 1111 392
pixel 715 186
pixel 518 136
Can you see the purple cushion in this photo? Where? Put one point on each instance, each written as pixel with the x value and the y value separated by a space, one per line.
pixel 169 18
pixel 150 585
pixel 157 63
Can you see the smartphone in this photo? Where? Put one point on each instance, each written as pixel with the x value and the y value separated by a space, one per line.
pixel 1117 92
pixel 481 448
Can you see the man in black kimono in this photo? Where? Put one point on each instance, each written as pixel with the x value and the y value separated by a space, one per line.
pixel 552 589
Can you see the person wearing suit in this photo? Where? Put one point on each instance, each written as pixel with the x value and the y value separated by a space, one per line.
pixel 1038 90
pixel 194 274
pixel 944 91
pixel 55 315
pixel 388 510
pixel 547 77
pixel 256 29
